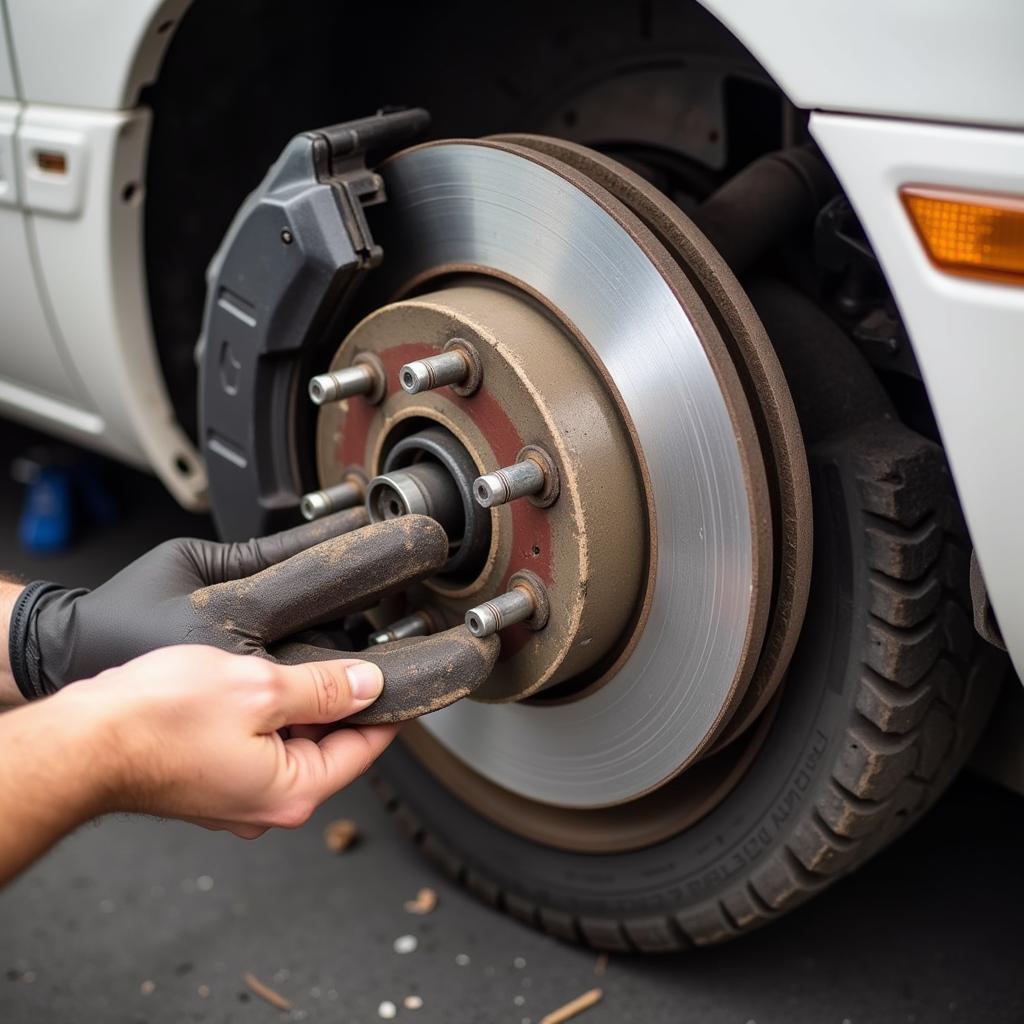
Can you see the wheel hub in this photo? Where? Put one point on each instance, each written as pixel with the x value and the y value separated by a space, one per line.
pixel 539 391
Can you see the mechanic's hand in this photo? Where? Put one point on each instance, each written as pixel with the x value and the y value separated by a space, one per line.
pixel 58 636
pixel 192 732
pixel 255 598
pixel 238 597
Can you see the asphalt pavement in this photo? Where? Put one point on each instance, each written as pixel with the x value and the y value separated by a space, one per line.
pixel 139 920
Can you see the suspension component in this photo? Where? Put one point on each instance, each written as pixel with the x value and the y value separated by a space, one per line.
pixel 525 601
pixel 417 624
pixel 332 499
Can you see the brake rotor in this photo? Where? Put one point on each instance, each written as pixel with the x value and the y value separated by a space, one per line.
pixel 769 398
pixel 501 210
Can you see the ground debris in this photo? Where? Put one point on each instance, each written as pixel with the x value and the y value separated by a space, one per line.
pixel 264 991
pixel 573 1007
pixel 601 965
pixel 426 900
pixel 412 1002
pixel 340 835
pixel 405 944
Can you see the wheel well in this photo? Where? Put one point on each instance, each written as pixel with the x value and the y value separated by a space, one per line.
pixel 240 78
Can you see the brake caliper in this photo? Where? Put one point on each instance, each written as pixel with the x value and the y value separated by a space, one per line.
pixel 280 281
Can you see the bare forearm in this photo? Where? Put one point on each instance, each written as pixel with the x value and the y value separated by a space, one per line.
pixel 9 694
pixel 55 773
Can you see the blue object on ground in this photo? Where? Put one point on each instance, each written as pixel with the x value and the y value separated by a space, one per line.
pixel 47 517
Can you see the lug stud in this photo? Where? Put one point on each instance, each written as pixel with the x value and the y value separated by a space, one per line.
pixel 525 600
pixel 418 624
pixel 505 485
pixel 333 387
pixel 533 475
pixel 451 367
pixel 332 499
pixel 364 377
pixel 516 605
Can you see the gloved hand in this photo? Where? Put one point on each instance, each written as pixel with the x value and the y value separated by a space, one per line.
pixel 246 598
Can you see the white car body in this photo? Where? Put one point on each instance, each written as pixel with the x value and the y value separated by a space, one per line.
pixel 902 93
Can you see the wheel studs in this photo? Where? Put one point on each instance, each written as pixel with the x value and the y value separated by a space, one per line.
pixel 516 605
pixel 450 367
pixel 347 383
pixel 458 366
pixel 525 601
pixel 505 485
pixel 533 475
pixel 364 377
pixel 332 499
pixel 418 624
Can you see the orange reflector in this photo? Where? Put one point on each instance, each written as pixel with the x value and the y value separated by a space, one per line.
pixel 976 234
pixel 52 163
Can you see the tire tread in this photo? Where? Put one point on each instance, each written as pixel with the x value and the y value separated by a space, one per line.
pixel 915 714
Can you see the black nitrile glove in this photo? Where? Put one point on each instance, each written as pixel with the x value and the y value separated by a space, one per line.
pixel 245 598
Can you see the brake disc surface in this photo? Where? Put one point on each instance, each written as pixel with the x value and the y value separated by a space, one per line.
pixel 491 207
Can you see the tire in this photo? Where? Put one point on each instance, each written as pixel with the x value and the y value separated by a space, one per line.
pixel 887 692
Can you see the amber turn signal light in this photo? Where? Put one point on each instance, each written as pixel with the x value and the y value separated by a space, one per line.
pixel 52 163
pixel 972 233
